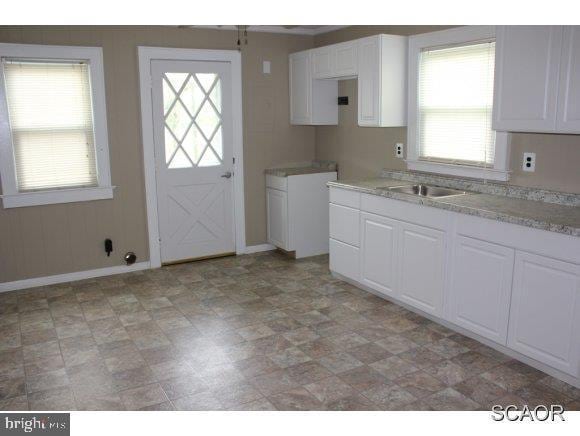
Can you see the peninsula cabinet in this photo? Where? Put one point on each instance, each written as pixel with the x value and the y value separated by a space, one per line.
pixel 513 287
pixel 537 79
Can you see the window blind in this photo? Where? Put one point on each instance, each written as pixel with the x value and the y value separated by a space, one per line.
pixel 455 100
pixel 51 122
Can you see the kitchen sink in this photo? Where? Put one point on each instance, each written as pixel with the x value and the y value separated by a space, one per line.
pixel 426 191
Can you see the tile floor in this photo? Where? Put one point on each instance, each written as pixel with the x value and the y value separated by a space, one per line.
pixel 256 332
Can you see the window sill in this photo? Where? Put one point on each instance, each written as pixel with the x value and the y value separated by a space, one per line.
pixel 458 170
pixel 57 196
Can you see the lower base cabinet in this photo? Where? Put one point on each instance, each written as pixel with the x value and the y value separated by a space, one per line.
pixel 545 311
pixel 421 271
pixel 480 288
pixel 515 286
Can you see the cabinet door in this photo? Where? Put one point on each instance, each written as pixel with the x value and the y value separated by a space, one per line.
pixel 545 311
pixel 277 214
pixel 300 88
pixel 379 253
pixel 344 259
pixel 421 257
pixel 526 78
pixel 322 62
pixel 480 288
pixel 344 59
pixel 368 81
pixel 569 96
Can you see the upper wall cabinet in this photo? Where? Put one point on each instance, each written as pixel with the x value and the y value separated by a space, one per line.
pixel 382 90
pixel 312 101
pixel 380 64
pixel 568 117
pixel 335 61
pixel 537 79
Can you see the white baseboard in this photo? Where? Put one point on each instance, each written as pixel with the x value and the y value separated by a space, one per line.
pixel 258 248
pixel 71 277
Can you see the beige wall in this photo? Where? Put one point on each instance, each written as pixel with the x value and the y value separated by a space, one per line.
pixel 56 239
pixel 363 151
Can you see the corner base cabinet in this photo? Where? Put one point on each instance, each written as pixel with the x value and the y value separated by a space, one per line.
pixel 514 286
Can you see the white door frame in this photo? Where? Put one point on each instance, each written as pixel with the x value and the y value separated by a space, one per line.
pixel 146 55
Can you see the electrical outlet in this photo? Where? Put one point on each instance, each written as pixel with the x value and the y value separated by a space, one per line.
pixel 529 163
pixel 399 150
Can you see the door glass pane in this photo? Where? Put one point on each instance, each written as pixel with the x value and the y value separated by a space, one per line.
pixel 192 107
pixel 206 80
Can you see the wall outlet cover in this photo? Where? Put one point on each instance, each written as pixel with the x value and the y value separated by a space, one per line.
pixel 529 162
pixel 399 150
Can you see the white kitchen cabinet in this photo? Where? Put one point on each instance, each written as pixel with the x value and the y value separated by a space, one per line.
pixel 277 214
pixel 322 62
pixel 344 259
pixel 480 288
pixel 378 251
pixel 312 101
pixel 344 224
pixel 568 115
pixel 511 285
pixel 379 63
pixel 545 311
pixel 421 258
pixel 537 79
pixel 335 61
pixel 382 90
pixel 297 212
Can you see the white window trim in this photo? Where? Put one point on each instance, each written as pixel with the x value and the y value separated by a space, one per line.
pixel 417 43
pixel 11 197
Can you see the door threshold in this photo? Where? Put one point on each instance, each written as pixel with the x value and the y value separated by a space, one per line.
pixel 195 259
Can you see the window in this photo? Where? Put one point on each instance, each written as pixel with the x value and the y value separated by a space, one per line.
pixel 54 140
pixel 453 77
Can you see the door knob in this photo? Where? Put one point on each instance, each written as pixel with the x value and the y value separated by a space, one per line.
pixel 227 175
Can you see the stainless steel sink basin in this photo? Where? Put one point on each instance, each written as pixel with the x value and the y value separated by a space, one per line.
pixel 427 191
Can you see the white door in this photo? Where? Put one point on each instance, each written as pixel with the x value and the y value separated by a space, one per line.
pixel 481 284
pixel 421 256
pixel 545 311
pixel 379 253
pixel 569 97
pixel 526 82
pixel 192 118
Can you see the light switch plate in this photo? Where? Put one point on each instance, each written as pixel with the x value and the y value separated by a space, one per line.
pixel 529 162
pixel 266 67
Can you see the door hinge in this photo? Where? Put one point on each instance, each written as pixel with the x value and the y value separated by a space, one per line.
pixel 234 160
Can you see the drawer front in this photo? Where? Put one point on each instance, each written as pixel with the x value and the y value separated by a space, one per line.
pixel 344 259
pixel 344 224
pixel 275 182
pixel 345 197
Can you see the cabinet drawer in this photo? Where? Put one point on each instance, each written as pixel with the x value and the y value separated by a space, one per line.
pixel 344 259
pixel 275 182
pixel 344 224
pixel 344 197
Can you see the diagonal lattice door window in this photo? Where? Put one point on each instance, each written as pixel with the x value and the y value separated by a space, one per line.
pixel 192 108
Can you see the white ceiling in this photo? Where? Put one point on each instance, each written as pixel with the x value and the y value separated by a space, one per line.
pixel 292 29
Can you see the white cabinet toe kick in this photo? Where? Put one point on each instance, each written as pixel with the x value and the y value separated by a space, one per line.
pixel 513 288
